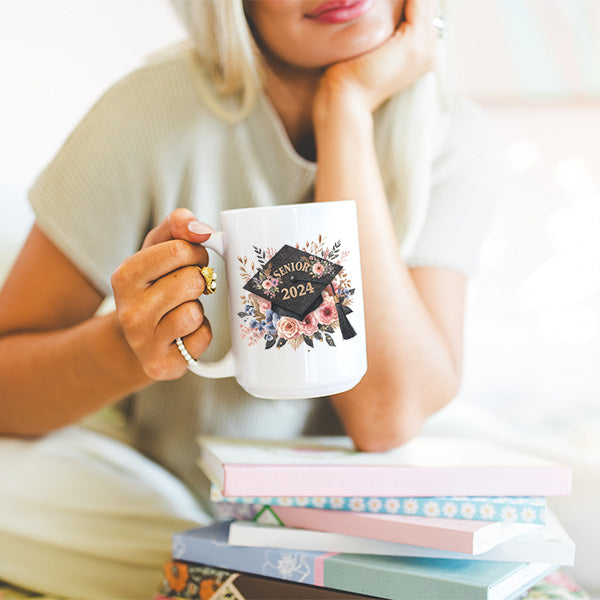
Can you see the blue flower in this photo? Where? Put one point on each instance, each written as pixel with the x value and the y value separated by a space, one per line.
pixel 253 323
pixel 270 329
pixel 275 318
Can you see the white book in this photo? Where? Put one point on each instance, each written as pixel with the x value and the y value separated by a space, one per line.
pixel 548 543
pixel 456 535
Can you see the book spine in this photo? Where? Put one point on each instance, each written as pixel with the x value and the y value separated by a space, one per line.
pixel 290 565
pixel 510 509
pixel 556 551
pixel 443 534
pixel 188 581
pixel 312 480
pixel 358 577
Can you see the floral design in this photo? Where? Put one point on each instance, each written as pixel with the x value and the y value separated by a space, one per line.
pixel 449 509
pixel 521 510
pixel 176 574
pixel 528 515
pixel 208 587
pixel 260 321
pixel 357 504
pixel 309 325
pixel 326 314
pixel 468 510
pixel 431 509
pixel 509 513
pixel 392 505
pixel 487 511
pixel 374 504
pixel 336 503
pixel 288 328
pixel 286 565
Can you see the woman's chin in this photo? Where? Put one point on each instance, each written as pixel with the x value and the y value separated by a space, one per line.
pixel 362 43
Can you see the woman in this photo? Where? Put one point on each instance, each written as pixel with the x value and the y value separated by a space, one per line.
pixel 278 102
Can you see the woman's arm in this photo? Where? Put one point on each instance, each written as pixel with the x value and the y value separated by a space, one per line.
pixel 59 362
pixel 413 319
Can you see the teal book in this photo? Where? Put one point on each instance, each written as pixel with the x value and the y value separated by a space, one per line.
pixel 390 577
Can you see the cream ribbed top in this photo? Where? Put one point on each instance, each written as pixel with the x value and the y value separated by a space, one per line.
pixel 149 146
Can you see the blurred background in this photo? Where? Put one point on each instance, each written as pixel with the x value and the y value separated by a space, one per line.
pixel 532 359
pixel 532 353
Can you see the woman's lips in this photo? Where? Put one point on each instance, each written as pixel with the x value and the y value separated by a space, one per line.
pixel 340 11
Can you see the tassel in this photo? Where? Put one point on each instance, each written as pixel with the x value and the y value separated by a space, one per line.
pixel 345 326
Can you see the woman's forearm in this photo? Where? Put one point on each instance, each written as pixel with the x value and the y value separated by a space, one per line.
pixel 50 379
pixel 412 369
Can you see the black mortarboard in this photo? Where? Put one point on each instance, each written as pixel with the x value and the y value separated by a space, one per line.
pixel 293 281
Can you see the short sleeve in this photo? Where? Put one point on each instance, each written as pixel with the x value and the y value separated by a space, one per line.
pixel 465 180
pixel 92 200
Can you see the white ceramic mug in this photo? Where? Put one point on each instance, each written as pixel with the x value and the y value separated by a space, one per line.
pixel 295 300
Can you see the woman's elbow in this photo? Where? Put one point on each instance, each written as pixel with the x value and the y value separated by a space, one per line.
pixel 399 426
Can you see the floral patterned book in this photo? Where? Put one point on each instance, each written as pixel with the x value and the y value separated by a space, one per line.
pixel 527 509
pixel 186 581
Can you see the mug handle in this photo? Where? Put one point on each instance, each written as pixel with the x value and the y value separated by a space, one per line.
pixel 224 367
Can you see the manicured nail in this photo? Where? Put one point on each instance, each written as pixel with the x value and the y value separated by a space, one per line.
pixel 200 228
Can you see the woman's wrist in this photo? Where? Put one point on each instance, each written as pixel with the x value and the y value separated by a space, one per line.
pixel 338 101
pixel 129 365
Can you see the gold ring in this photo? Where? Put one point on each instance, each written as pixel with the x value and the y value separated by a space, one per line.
pixel 209 276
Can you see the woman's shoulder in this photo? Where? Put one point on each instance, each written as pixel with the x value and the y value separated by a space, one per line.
pixel 469 146
pixel 470 128
pixel 157 97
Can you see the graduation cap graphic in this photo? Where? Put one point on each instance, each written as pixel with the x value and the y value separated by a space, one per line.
pixel 293 281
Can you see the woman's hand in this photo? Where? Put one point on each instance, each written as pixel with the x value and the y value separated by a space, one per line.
pixel 372 78
pixel 156 294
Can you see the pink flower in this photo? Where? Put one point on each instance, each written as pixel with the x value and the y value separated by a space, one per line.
pixel 326 313
pixel 264 305
pixel 288 328
pixel 267 284
pixel 318 269
pixel 309 324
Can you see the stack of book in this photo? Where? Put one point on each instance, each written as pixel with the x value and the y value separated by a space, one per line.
pixel 439 518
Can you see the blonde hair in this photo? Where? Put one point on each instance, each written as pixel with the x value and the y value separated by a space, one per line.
pixel 408 127
pixel 224 52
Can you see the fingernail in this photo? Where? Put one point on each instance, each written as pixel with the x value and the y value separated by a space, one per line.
pixel 200 228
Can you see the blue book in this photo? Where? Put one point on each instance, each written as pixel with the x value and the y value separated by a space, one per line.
pixel 390 577
pixel 523 509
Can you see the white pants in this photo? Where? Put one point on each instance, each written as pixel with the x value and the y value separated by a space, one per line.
pixel 87 517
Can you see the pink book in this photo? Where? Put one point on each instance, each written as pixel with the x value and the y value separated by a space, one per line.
pixel 425 466
pixel 457 535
